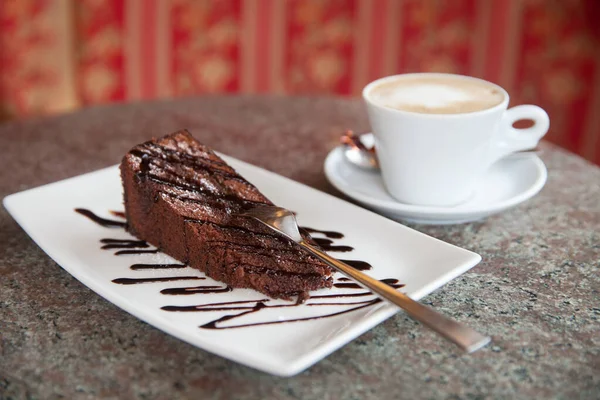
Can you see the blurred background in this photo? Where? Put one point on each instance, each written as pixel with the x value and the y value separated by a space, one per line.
pixel 60 55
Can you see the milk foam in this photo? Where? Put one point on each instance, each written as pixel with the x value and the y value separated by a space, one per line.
pixel 433 95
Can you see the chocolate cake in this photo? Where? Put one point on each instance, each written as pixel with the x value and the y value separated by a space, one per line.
pixel 184 199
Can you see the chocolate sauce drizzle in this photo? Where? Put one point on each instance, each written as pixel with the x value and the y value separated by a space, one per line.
pixel 127 252
pixel 119 214
pixel 122 244
pixel 358 264
pixel 252 306
pixel 329 234
pixel 347 285
pixel 155 166
pixel 137 267
pixel 135 281
pixel 107 223
pixel 196 290
pixel 327 245
pixel 245 307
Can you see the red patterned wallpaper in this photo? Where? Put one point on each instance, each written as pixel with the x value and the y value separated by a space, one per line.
pixel 206 39
pixel 61 54
pixel 557 66
pixel 437 36
pixel 32 77
pixel 99 50
pixel 319 46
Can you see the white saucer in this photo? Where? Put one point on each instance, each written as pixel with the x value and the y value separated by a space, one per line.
pixel 508 183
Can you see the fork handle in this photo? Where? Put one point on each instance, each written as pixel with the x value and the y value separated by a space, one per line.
pixel 466 338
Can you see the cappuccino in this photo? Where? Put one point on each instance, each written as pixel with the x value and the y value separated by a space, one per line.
pixel 436 94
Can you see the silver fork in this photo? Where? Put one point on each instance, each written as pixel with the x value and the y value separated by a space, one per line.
pixel 284 222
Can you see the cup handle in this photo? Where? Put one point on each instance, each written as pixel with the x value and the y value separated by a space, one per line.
pixel 512 139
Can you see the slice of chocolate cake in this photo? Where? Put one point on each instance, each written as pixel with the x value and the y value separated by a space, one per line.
pixel 185 200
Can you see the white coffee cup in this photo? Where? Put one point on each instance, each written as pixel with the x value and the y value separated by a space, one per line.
pixel 437 159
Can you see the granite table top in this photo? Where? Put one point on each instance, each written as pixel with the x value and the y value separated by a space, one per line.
pixel 536 292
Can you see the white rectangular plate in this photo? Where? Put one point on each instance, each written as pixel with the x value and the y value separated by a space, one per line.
pixel 281 347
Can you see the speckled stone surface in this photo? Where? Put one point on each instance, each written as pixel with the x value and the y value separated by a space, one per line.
pixel 536 292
